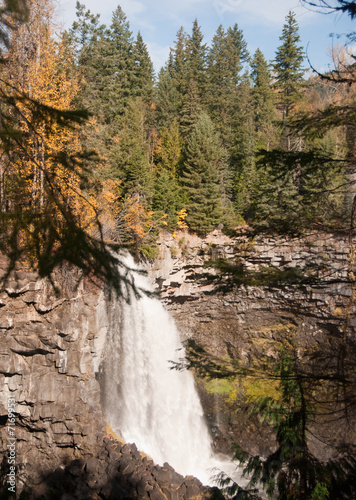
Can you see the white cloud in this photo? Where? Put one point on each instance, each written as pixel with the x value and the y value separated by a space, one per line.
pixel 261 11
pixel 132 8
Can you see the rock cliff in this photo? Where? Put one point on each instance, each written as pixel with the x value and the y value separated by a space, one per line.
pixel 51 347
pixel 302 288
pixel 52 426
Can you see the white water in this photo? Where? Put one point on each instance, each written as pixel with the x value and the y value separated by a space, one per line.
pixel 146 402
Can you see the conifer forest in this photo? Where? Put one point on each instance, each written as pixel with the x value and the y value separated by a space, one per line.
pixel 97 148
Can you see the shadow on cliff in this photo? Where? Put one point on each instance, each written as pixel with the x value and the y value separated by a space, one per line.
pixel 118 472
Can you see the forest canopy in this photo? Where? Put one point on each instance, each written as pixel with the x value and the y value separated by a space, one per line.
pixel 98 151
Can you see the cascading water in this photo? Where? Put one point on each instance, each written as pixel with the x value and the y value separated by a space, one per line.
pixel 146 402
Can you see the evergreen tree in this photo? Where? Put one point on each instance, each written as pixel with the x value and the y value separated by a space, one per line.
pixel 201 177
pixel 218 76
pixel 143 71
pixel 83 31
pixel 196 58
pixel 265 116
pixel 119 61
pixel 237 48
pixel 191 109
pixel 128 158
pixel 86 36
pixel 167 193
pixel 288 66
pixel 178 63
pixel 168 99
pixel 225 63
pixel 169 155
pixel 244 178
pixel 279 202
pixel 167 199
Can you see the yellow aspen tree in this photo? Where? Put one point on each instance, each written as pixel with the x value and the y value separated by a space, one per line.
pixel 41 165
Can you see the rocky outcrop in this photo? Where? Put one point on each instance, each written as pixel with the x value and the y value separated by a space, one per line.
pixel 118 471
pixel 199 294
pixel 50 347
pixel 52 425
pixel 301 288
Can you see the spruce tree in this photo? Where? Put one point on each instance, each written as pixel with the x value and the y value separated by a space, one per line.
pixel 191 109
pixel 280 202
pixel 238 53
pixel 288 66
pixel 167 199
pixel 82 31
pixel 128 157
pixel 143 71
pixel 196 58
pixel 201 177
pixel 218 79
pixel 243 174
pixel 224 72
pixel 178 63
pixel 168 99
pixel 119 64
pixel 169 155
pixel 265 116
pixel 86 37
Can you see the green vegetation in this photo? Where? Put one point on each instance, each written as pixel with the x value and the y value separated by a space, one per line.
pixel 221 137
pixel 292 390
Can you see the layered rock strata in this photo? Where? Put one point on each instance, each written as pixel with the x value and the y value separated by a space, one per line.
pixel 50 351
pixel 51 347
pixel 302 288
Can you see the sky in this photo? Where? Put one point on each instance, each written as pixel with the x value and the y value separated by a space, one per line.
pixel 261 22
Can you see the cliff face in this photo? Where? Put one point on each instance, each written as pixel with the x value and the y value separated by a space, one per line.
pixel 51 347
pixel 59 444
pixel 233 319
pixel 198 294
pixel 50 350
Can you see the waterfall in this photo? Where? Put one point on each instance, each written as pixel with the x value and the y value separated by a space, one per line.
pixel 144 401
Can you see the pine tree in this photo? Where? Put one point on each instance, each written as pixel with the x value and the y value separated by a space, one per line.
pixel 201 177
pixel 196 58
pixel 168 99
pixel 263 103
pixel 288 66
pixel 143 71
pixel 191 109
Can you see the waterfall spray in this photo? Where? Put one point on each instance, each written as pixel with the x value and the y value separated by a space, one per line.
pixel 145 401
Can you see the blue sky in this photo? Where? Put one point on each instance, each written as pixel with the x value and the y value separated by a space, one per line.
pixel 260 20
